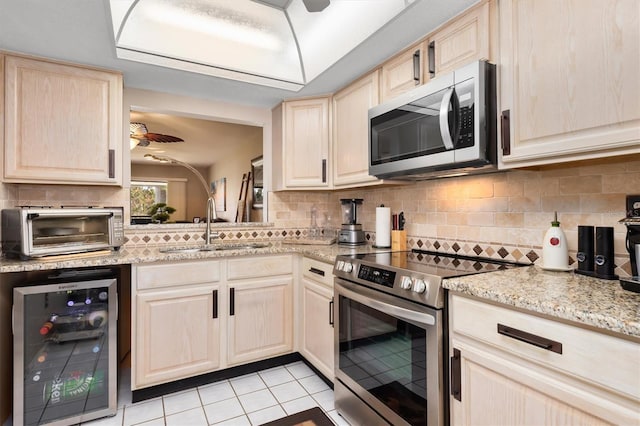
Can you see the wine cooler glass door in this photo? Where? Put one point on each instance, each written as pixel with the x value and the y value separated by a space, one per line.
pixel 65 352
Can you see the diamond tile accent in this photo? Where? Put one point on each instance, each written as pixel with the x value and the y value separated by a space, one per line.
pixel 503 252
pixel 254 234
pixel 490 251
pixel 146 239
pixel 455 247
pixel 239 235
pixel 420 243
pixel 517 254
pixel 477 249
pixel 186 237
pixel 135 239
pixel 532 256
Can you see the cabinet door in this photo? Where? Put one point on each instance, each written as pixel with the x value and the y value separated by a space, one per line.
pixel 63 124
pixel 464 40
pixel 177 334
pixel 498 389
pixel 402 73
pixel 569 79
pixel 351 131
pixel 306 143
pixel 260 319
pixel 317 326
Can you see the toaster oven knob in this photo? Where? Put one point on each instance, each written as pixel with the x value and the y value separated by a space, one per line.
pixel 340 265
pixel 419 286
pixel 348 267
pixel 406 283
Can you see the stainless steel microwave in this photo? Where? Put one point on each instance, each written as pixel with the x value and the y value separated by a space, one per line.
pixel 33 232
pixel 446 127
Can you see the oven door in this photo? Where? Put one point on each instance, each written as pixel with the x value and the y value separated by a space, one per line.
pixel 389 354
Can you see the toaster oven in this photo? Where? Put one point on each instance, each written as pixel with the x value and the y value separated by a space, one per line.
pixel 33 232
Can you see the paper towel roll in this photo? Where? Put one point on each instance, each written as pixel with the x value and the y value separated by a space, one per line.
pixel 383 227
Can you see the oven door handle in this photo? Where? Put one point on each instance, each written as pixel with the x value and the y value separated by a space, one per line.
pixel 404 314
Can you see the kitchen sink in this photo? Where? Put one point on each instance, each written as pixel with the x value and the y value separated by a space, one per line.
pixel 214 247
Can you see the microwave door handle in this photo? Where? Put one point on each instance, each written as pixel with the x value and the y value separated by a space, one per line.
pixel 444 120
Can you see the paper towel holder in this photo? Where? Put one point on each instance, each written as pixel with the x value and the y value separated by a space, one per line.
pixel 383 227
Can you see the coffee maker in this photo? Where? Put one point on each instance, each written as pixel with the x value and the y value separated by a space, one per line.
pixel 632 221
pixel 351 233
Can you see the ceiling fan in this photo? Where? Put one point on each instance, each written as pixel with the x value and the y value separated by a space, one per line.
pixel 140 136
pixel 315 5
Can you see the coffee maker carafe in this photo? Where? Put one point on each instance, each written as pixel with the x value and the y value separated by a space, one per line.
pixel 351 233
pixel 632 221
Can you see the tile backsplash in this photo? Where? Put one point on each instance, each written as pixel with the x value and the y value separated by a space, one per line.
pixel 502 214
pixel 499 215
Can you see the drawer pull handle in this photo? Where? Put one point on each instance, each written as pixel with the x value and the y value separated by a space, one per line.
pixel 456 375
pixel 331 312
pixel 232 301
pixel 317 271
pixel 532 339
pixel 215 304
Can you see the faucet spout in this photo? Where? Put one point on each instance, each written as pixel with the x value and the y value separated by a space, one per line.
pixel 211 214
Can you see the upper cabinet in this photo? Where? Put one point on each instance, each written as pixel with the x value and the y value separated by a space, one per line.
pixel 461 41
pixel 62 123
pixel 569 80
pixel 351 132
pixel 402 73
pixel 301 144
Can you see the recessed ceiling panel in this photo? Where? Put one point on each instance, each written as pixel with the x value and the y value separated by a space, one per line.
pixel 241 36
pixel 327 36
pixel 249 41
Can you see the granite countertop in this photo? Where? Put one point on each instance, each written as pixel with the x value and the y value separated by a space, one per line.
pixel 324 253
pixel 593 302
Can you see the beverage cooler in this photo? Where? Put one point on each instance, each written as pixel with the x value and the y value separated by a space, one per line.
pixel 65 365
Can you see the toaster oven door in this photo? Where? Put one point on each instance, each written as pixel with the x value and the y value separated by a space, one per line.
pixel 67 232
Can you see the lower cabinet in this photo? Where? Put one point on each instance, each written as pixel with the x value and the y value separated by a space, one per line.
pixel 514 368
pixel 179 332
pixel 316 342
pixel 175 321
pixel 260 319
pixel 195 317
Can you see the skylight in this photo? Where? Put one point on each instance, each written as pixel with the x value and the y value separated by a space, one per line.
pixel 246 40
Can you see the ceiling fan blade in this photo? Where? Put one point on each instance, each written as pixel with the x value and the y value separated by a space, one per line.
pixel 157 137
pixel 315 5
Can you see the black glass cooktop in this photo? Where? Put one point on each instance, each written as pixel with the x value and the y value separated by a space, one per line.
pixel 435 263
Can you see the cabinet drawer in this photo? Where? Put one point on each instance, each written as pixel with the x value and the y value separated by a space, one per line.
pixel 255 267
pixel 592 356
pixel 176 274
pixel 318 271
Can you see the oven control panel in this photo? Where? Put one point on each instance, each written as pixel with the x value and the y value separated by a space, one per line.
pixel 377 275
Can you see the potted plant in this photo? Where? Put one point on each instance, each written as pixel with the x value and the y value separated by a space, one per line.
pixel 160 212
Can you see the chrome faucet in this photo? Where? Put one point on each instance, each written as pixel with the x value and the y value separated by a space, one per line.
pixel 211 202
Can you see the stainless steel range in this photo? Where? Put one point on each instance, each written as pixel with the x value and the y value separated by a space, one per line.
pixel 391 336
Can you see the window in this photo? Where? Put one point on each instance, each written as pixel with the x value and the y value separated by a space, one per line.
pixel 145 194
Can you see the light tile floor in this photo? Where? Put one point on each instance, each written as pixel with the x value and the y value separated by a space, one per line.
pixel 252 399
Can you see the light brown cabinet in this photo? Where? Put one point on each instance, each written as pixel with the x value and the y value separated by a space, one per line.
pixel 402 72
pixel 463 40
pixel 176 325
pixel 317 341
pixel 301 144
pixel 569 80
pixel 195 317
pixel 260 321
pixel 510 378
pixel 63 123
pixel 350 125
